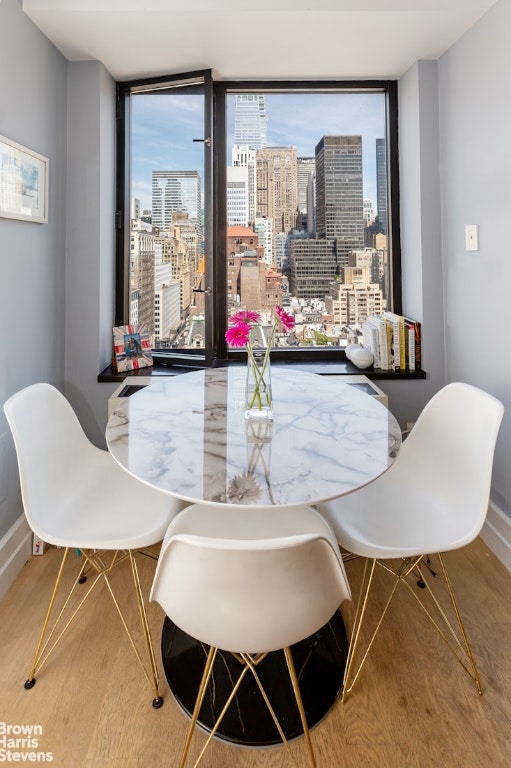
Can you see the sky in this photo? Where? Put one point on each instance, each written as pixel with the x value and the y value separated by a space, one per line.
pixel 164 126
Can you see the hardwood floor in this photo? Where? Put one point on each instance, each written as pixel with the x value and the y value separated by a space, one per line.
pixel 414 706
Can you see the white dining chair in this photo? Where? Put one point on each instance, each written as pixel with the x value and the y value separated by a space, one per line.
pixel 250 582
pixel 433 499
pixel 76 496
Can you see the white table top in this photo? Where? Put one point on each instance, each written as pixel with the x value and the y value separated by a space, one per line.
pixel 187 434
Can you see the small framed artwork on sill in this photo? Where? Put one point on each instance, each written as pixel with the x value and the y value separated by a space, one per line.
pixel 23 183
pixel 132 347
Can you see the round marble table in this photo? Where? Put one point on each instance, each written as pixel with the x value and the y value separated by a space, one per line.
pixel 188 435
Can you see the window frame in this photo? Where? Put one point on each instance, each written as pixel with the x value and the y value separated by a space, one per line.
pixel 215 203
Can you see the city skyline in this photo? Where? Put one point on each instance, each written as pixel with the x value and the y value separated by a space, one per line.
pixel 155 147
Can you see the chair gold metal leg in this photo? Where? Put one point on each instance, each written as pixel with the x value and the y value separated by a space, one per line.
pixel 152 676
pixel 459 647
pixel 202 689
pixel 253 662
pixel 102 566
pixel 362 601
pixel 248 663
pixel 299 703
pixel 355 631
pixel 31 676
pixel 198 703
pixel 457 641
pixel 158 701
pixel 475 673
pixel 44 649
pixel 399 575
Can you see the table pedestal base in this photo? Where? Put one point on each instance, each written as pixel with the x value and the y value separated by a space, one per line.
pixel 319 661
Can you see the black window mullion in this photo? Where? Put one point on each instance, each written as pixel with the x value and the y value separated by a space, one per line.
pixel 219 273
pixel 394 238
pixel 122 211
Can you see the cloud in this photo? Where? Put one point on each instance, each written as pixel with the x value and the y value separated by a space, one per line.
pixel 164 126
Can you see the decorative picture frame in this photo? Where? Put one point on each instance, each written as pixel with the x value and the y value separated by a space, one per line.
pixel 132 347
pixel 23 183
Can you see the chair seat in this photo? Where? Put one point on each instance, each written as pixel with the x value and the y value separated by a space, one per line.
pixel 389 519
pixel 121 512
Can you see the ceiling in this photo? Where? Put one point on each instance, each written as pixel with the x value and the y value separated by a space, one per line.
pixel 255 39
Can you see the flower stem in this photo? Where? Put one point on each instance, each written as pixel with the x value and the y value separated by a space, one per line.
pixel 259 372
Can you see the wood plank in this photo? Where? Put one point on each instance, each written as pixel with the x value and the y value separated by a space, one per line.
pixel 413 705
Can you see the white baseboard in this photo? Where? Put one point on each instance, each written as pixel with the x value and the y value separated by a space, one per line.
pixel 15 550
pixel 496 534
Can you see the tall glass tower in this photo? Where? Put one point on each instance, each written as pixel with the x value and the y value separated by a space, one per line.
pixel 339 189
pixel 381 184
pixel 250 121
pixel 173 192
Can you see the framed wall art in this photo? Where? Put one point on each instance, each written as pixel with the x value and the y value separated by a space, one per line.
pixel 23 183
pixel 132 347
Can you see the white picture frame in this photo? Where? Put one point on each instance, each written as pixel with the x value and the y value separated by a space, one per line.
pixel 23 183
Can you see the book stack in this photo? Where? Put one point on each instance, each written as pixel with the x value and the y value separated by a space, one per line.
pixel 394 340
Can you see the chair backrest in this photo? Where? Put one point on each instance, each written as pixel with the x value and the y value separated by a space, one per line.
pixel 449 452
pixel 251 591
pixel 51 447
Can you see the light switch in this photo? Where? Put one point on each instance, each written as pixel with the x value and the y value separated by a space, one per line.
pixel 472 237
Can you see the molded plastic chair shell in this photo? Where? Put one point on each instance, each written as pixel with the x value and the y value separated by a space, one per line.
pixel 76 496
pixel 251 581
pixel 433 499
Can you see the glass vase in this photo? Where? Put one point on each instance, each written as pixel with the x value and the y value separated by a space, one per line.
pixel 258 399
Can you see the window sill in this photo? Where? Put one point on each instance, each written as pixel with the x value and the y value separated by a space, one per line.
pixel 334 368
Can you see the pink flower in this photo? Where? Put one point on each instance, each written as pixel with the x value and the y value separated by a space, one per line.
pixel 245 316
pixel 239 334
pixel 285 318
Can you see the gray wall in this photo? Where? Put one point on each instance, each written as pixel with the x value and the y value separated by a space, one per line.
pixel 33 112
pixel 90 242
pixel 475 169
pixel 57 278
pixel 422 276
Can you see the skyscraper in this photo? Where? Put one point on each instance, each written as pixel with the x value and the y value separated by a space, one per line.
pixel 250 121
pixel 243 156
pixel 339 218
pixel 339 190
pixel 381 184
pixel 276 183
pixel 237 196
pixel 306 170
pixel 173 192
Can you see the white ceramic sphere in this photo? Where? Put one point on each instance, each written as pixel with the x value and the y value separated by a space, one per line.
pixel 361 357
pixel 349 349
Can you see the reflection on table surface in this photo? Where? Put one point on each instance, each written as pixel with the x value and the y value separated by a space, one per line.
pixel 188 435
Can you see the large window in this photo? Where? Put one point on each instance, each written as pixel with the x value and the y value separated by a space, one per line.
pixel 252 195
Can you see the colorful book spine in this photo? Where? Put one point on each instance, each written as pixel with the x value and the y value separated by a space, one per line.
pixel 370 340
pixel 398 340
pixel 384 341
pixel 414 344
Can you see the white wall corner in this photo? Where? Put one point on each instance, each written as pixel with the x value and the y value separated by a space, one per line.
pixel 15 550
pixel 496 533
